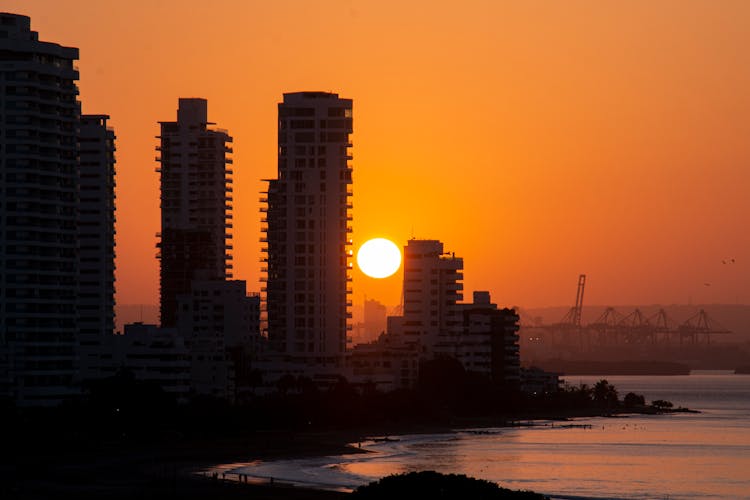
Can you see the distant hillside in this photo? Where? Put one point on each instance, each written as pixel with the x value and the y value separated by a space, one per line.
pixel 734 317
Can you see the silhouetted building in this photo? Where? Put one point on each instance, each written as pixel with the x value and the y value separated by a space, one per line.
pixel 385 363
pixel 196 202
pixel 308 230
pixel 96 244
pixel 432 288
pixel 537 381
pixel 39 116
pixel 154 354
pixel 488 342
pixel 483 338
pixel 221 327
pixel 375 319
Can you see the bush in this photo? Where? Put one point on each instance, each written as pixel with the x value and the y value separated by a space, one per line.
pixel 431 484
pixel 662 404
pixel 632 399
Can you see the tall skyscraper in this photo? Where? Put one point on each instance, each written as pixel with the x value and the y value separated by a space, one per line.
pixel 196 203
pixel 96 243
pixel 308 230
pixel 432 288
pixel 39 116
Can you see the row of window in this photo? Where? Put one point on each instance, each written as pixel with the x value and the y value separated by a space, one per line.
pixel 332 112
pixel 344 123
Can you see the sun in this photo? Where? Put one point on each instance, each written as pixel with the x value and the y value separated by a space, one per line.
pixel 379 258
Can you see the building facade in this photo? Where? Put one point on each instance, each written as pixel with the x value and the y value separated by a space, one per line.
pixel 153 354
pixel 39 115
pixel 196 203
pixel 96 244
pixel 220 323
pixel 375 323
pixel 432 288
pixel 488 343
pixel 308 228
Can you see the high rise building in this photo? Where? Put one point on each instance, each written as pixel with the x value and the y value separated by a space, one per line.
pixel 96 243
pixel 196 203
pixel 39 116
pixel 432 288
pixel 308 230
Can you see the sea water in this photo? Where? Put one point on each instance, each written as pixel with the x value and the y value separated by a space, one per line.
pixel 702 455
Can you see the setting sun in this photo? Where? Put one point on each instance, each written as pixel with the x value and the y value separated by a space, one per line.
pixel 379 258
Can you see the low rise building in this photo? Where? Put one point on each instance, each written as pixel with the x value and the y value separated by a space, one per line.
pixel 488 343
pixel 220 323
pixel 385 363
pixel 153 354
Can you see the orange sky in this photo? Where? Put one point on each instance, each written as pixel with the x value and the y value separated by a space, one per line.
pixel 538 140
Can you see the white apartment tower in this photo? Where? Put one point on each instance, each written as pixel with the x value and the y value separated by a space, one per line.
pixel 308 217
pixel 96 243
pixel 196 203
pixel 39 116
pixel 432 288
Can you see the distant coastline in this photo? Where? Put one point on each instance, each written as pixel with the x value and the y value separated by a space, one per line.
pixel 570 367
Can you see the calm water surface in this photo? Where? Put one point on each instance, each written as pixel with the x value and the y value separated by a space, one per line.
pixel 681 456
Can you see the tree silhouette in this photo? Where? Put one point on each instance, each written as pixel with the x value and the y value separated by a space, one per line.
pixel 605 394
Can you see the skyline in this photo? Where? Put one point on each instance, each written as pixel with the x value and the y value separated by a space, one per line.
pixel 670 127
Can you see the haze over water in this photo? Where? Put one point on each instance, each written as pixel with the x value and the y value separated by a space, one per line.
pixel 681 456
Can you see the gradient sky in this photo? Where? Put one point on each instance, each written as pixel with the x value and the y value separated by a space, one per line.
pixel 538 140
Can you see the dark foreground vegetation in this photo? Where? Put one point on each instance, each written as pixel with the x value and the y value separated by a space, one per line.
pixel 429 484
pixel 126 438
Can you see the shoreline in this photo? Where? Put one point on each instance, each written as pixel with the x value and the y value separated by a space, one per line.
pixel 170 465
pixel 479 425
